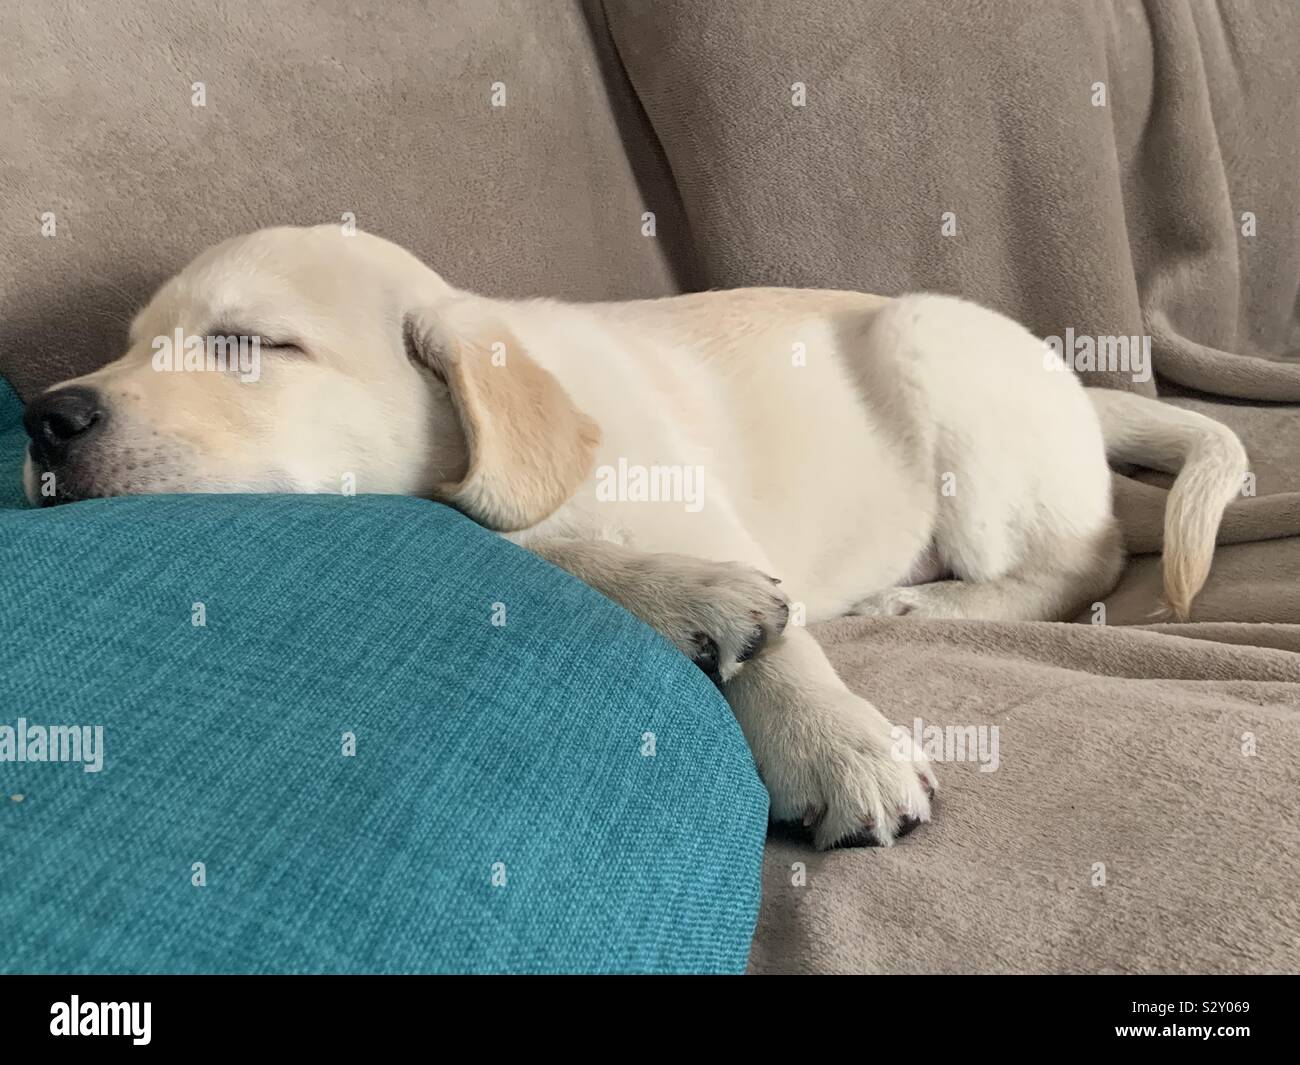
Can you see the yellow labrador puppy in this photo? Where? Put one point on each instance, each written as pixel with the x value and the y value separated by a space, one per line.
pixel 919 456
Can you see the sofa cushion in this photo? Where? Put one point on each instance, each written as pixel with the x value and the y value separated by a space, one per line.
pixel 350 735
pixel 309 112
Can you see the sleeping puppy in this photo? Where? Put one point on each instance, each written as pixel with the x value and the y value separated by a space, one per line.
pixel 919 456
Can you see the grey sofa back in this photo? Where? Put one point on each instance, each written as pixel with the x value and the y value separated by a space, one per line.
pixel 1114 168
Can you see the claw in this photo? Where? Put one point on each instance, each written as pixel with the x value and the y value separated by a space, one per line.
pixel 753 645
pixel 784 618
pixel 707 657
pixel 905 825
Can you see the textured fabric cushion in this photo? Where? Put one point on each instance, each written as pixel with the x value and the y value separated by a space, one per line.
pixel 503 810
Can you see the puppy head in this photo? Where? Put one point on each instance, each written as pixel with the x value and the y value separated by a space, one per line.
pixel 306 360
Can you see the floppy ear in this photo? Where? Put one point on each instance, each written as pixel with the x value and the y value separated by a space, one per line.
pixel 529 447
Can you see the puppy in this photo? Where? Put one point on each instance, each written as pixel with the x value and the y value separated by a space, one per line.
pixel 919 456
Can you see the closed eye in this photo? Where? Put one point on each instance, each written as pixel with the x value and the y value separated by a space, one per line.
pixel 283 345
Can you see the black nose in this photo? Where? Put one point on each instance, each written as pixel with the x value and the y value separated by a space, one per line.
pixel 56 418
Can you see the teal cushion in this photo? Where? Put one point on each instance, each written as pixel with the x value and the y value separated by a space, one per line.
pixel 563 792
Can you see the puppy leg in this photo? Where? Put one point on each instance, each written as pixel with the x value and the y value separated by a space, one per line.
pixel 1011 598
pixel 828 758
pixel 1048 586
pixel 719 614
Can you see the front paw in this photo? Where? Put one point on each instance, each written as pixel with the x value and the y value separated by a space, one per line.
pixel 722 614
pixel 851 779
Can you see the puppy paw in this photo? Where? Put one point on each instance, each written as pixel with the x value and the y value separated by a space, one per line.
pixel 892 602
pixel 719 614
pixel 860 784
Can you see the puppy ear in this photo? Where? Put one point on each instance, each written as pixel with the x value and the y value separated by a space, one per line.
pixel 529 447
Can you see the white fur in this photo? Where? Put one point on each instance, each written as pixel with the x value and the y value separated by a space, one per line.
pixel 858 448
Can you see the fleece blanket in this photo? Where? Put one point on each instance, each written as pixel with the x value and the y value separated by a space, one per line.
pixel 1112 800
pixel 1106 171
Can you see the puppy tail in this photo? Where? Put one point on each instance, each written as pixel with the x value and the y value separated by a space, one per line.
pixel 1210 464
